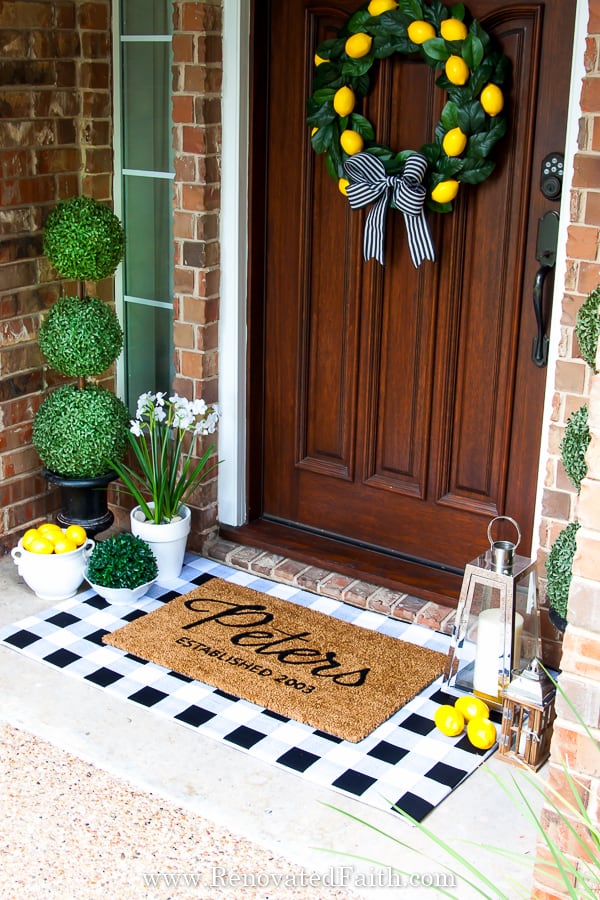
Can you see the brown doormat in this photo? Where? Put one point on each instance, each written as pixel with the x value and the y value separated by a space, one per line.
pixel 337 677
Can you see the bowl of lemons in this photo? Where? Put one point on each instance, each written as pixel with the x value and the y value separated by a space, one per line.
pixel 51 560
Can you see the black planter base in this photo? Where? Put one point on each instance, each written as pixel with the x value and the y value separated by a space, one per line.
pixel 556 619
pixel 84 501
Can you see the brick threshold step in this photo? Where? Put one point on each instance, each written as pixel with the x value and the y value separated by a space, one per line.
pixel 357 593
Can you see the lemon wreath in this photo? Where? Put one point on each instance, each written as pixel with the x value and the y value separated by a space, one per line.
pixel 471 122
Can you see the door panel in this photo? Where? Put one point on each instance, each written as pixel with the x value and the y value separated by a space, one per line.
pixel 401 409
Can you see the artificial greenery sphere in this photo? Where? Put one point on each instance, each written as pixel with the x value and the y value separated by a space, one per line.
pixel 559 568
pixel 121 561
pixel 84 239
pixel 80 337
pixel 76 430
pixel 587 328
pixel 574 445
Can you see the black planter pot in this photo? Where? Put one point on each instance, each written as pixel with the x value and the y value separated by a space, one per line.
pixel 556 619
pixel 84 501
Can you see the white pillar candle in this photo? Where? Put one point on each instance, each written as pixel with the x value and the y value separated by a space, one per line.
pixel 489 651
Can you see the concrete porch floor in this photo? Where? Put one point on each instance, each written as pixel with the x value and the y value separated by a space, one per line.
pixel 99 794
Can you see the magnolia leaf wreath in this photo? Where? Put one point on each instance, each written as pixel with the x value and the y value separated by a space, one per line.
pixel 470 125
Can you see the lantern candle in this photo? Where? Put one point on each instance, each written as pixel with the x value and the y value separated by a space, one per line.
pixel 489 651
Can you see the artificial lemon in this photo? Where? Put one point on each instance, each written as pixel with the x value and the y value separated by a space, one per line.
pixel 445 191
pixel 457 71
pixel 471 707
pixel 77 534
pixel 376 7
pixel 453 30
pixel 319 60
pixel 481 733
pixel 30 535
pixel 342 185
pixel 420 31
pixel 51 531
pixel 492 99
pixel 343 101
pixel 449 720
pixel 358 45
pixel 314 131
pixel 41 545
pixel 351 141
pixel 454 142
pixel 64 545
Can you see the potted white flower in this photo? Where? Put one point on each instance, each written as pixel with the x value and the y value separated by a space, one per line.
pixel 162 437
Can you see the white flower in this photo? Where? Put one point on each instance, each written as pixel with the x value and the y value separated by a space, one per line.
pixel 199 407
pixel 135 428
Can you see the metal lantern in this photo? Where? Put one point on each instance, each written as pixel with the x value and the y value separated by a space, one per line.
pixel 527 717
pixel 497 620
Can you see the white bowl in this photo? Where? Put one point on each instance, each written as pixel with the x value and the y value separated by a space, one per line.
pixel 121 596
pixel 52 576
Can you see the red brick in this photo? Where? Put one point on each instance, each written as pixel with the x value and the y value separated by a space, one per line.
pixel 582 242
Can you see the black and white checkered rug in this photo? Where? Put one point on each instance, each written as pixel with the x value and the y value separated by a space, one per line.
pixel 406 762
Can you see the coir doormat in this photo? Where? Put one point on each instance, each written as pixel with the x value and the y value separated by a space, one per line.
pixel 318 670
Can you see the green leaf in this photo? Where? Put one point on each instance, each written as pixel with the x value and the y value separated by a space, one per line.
pixel 322 116
pixel 481 144
pixel 322 138
pixel 435 49
pixel 356 67
pixel 476 172
pixel 362 126
pixel 471 118
pixel 449 117
pixel 323 95
pixel 472 51
pixel 412 8
pixel 451 166
pixel 458 11
pixel 358 21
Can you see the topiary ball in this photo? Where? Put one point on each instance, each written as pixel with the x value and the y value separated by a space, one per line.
pixel 122 561
pixel 559 568
pixel 84 239
pixel 80 337
pixel 574 445
pixel 587 328
pixel 77 431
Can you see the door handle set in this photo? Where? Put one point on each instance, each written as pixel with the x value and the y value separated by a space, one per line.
pixel 547 242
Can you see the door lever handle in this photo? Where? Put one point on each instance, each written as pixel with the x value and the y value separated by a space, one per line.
pixel 540 341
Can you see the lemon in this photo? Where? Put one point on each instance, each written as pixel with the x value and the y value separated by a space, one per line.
pixel 314 131
pixel 376 7
pixel 445 191
pixel 51 532
pixel 343 101
pixel 457 71
pixel 30 535
pixel 351 141
pixel 420 31
pixel 492 99
pixel 449 720
pixel 342 185
pixel 454 142
pixel 453 30
pixel 77 534
pixel 481 733
pixel 319 60
pixel 471 707
pixel 358 45
pixel 41 545
pixel 64 545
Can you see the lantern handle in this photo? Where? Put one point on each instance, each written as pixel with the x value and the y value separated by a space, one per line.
pixel 508 519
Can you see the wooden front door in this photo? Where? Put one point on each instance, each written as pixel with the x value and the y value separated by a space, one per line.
pixel 395 411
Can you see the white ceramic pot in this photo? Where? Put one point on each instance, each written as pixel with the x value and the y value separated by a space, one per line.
pixel 121 596
pixel 167 541
pixel 52 576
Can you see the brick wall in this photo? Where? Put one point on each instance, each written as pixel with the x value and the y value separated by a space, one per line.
pixel 55 141
pixel 575 384
pixel 197 78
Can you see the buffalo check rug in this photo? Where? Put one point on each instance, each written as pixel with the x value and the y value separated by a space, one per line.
pixel 404 764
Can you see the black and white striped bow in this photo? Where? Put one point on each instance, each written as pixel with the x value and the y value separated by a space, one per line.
pixel 369 183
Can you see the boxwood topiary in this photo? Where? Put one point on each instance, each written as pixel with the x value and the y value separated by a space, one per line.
pixel 84 239
pixel 574 445
pixel 559 568
pixel 121 561
pixel 76 430
pixel 80 337
pixel 587 328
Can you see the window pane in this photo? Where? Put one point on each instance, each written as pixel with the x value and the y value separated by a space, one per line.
pixel 146 17
pixel 148 254
pixel 149 350
pixel 146 106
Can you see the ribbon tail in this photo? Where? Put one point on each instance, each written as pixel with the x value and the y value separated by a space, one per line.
pixel 374 234
pixel 419 239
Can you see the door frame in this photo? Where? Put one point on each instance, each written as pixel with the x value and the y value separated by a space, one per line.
pixel 233 426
